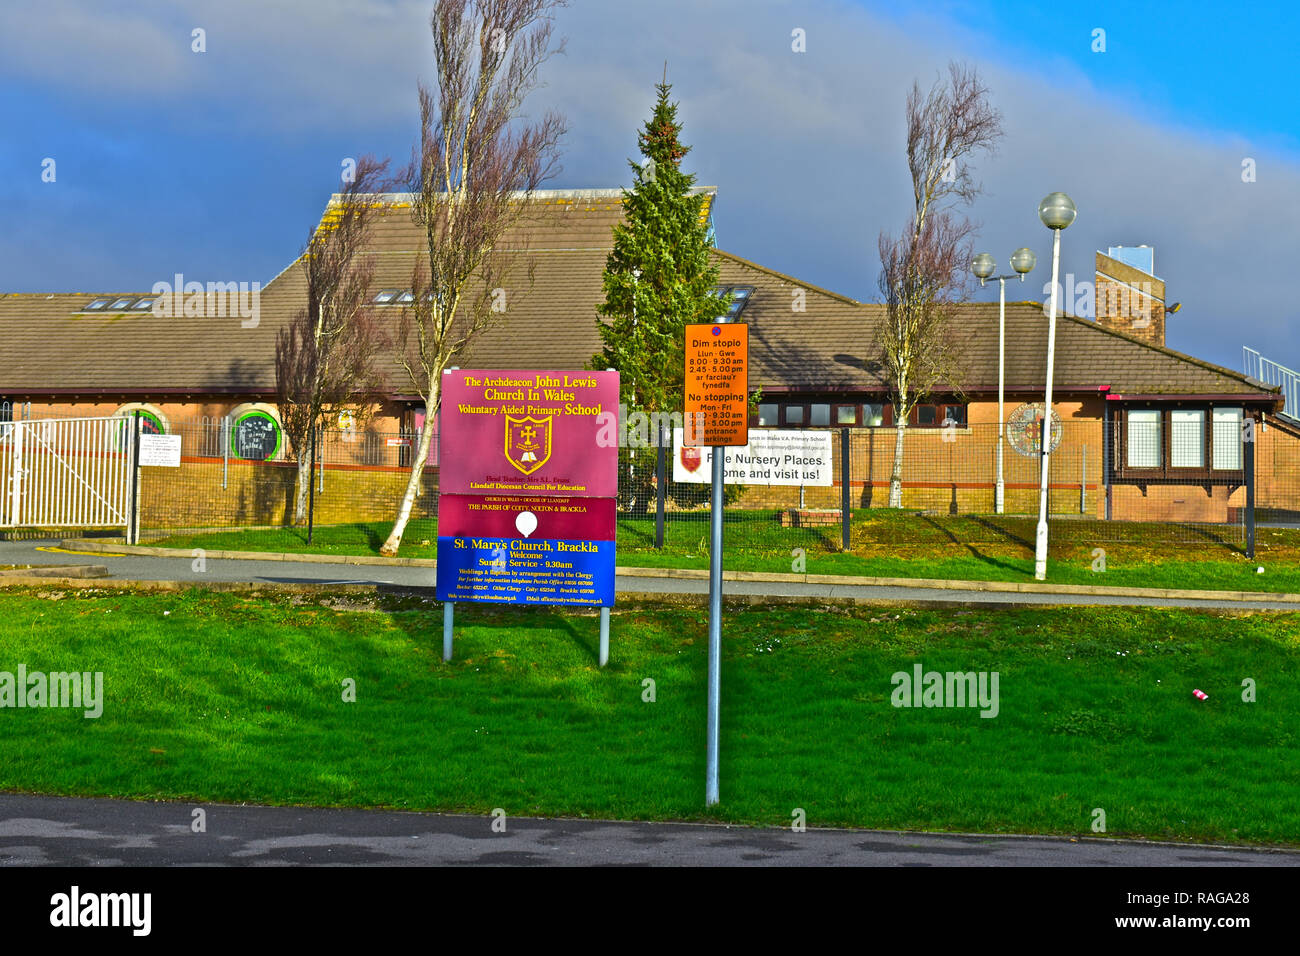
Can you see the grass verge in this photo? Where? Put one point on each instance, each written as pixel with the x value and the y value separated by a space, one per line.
pixel 225 697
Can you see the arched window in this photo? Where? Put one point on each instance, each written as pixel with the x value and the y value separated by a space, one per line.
pixel 152 421
pixel 255 432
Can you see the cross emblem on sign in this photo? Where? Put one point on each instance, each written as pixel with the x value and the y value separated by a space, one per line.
pixel 528 442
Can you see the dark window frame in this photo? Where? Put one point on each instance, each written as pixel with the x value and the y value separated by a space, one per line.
pixel 860 413
pixel 1166 473
pixel 857 414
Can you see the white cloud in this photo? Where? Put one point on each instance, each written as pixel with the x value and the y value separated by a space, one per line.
pixel 807 149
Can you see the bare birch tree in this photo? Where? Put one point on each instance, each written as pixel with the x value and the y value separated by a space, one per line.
pixel 475 163
pixel 923 271
pixel 325 357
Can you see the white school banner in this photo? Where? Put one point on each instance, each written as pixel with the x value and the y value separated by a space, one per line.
pixel 772 457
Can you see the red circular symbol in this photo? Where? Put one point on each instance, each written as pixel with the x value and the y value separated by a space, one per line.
pixel 717 330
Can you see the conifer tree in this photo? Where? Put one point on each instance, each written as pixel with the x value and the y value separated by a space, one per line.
pixel 658 279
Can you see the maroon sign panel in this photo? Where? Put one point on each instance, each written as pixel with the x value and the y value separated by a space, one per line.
pixel 511 432
pixel 520 516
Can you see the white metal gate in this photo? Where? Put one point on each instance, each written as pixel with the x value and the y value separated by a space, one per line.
pixel 66 473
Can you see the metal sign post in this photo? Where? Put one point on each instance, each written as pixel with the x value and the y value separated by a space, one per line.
pixel 717 415
pixel 715 627
pixel 133 532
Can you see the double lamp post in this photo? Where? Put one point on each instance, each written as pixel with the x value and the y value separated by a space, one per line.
pixel 1056 212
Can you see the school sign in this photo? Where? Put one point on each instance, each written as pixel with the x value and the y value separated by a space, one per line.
pixel 526 505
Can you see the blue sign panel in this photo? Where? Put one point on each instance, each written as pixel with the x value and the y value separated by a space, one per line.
pixel 526 571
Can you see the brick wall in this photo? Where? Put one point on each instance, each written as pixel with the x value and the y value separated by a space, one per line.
pixel 958 475
pixel 1129 300
pixel 261 493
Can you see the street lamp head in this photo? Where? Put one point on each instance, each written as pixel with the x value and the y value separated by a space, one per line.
pixel 1057 211
pixel 983 265
pixel 1022 260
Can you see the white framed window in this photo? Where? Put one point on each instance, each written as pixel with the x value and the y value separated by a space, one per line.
pixel 1226 454
pixel 1144 438
pixel 1187 438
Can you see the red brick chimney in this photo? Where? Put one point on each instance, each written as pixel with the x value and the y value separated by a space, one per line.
pixel 1130 299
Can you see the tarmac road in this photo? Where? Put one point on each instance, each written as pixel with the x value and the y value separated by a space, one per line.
pixel 64 831
pixel 148 568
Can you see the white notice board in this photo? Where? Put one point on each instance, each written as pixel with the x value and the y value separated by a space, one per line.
pixel 772 457
pixel 164 450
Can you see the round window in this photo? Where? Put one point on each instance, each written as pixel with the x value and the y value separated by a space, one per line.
pixel 255 435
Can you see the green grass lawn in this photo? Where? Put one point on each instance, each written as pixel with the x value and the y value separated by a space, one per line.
pixel 884 544
pixel 226 697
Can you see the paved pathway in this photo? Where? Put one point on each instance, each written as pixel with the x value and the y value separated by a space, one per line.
pixel 78 832
pixel 147 568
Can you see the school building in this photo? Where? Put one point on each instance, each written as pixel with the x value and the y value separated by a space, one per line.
pixel 1162 429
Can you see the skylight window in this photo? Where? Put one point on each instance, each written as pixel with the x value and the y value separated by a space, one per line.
pixel 121 303
pixel 97 305
pixel 740 296
pixel 143 305
pixel 406 298
pixel 387 296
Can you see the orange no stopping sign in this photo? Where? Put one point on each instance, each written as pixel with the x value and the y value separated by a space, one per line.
pixel 717 385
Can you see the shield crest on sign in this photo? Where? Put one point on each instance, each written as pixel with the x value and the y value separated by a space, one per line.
pixel 528 442
pixel 691 458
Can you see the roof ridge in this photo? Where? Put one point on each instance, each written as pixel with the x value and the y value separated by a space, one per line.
pixel 788 278
pixel 1172 353
pixel 78 295
pixel 541 194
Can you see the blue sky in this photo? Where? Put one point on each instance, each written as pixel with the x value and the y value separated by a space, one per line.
pixel 217 164
pixel 1203 65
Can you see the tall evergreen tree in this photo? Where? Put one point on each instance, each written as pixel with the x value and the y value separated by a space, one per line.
pixel 658 279
pixel 659 276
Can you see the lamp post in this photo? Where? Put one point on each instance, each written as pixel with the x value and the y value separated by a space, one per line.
pixel 1057 211
pixel 984 265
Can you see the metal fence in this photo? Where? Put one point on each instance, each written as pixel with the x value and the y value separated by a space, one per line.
pixel 1271 373
pixel 67 472
pixel 1176 479
pixel 1098 491
pixel 359 478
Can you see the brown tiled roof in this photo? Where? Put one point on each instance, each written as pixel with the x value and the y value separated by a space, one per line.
pixel 46 346
pixel 834 352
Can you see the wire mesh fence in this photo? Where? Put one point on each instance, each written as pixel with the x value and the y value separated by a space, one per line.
pixel 1176 477
pixel 359 477
pixel 950 478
